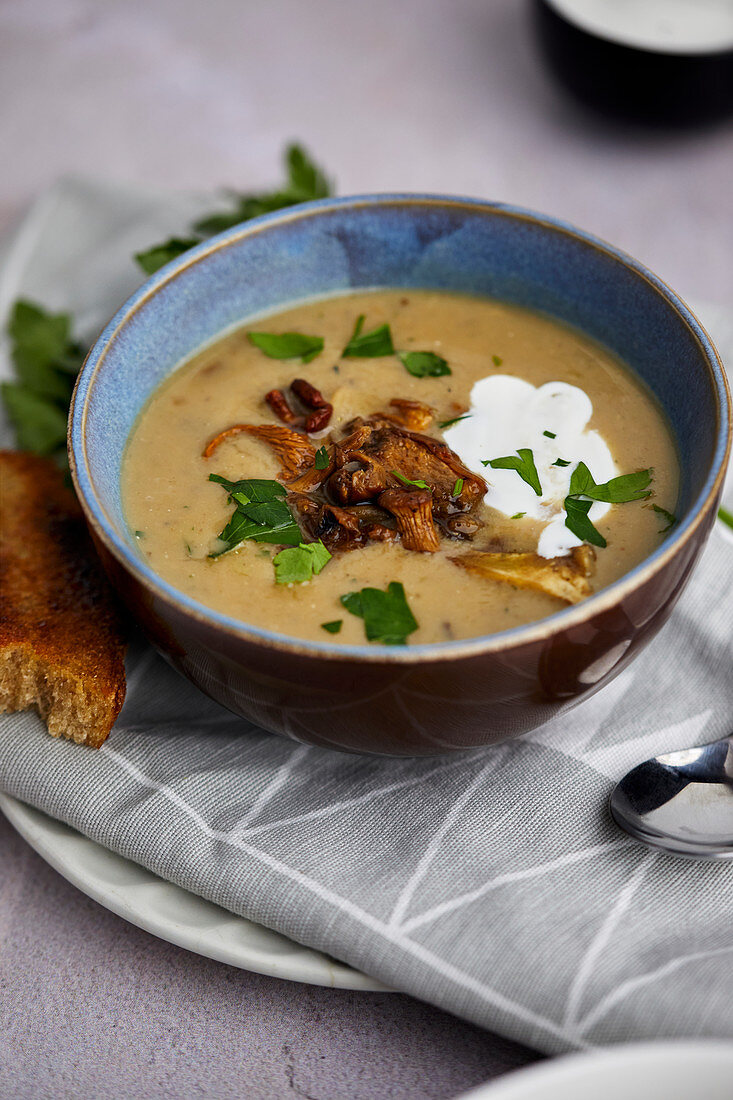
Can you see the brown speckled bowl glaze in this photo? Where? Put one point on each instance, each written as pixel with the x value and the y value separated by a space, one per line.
pixel 410 700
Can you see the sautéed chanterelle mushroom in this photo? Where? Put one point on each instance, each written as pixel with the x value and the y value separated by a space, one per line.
pixel 399 466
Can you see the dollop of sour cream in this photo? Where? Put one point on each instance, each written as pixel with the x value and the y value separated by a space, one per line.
pixel 508 413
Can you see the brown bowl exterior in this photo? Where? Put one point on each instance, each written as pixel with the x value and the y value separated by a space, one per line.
pixel 422 708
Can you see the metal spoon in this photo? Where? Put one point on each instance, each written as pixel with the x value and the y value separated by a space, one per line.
pixel 681 802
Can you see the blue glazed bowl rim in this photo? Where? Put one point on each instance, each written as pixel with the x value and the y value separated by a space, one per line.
pixel 536 631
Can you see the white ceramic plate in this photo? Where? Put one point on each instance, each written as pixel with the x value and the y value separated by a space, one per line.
pixel 639 1071
pixel 172 913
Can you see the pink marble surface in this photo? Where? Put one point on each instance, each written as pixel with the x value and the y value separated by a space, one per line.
pixel 441 95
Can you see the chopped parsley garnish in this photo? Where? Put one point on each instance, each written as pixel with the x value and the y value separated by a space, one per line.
pixel 560 462
pixel 304 181
pixel 386 614
pixel 458 487
pixel 334 626
pixel 671 520
pixel 298 564
pixel 578 522
pixel 369 345
pixel 619 490
pixel 287 345
pixel 46 360
pixel 423 364
pixel 261 514
pixel 408 481
pixel 550 435
pixel 151 259
pixel 450 423
pixel 523 463
pixel 497 360
pixel 584 490
pixel 518 515
pixel 322 459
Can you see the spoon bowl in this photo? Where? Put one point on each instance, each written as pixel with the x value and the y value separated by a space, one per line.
pixel 681 802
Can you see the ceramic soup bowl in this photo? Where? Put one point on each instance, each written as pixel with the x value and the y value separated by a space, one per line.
pixel 415 699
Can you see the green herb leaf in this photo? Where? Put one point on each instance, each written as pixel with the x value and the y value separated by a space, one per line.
pixel 154 258
pixel 386 614
pixel 671 520
pixel 305 181
pixel 298 564
pixel 619 490
pixel 369 345
pixel 408 481
pixel 40 425
pixel 518 515
pixel 726 516
pixel 424 364
pixel 578 522
pixel 524 465
pixel 287 345
pixel 322 459
pixel 550 435
pixel 450 423
pixel 334 626
pixel 496 360
pixel 458 487
pixel 261 514
pixel 560 462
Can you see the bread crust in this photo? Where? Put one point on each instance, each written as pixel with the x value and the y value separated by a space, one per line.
pixel 62 644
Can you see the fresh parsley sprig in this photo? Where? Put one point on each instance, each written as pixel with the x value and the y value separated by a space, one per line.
pixel 424 364
pixel 304 181
pixel 46 359
pixel 368 345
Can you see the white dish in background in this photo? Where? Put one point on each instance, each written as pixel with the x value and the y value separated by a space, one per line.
pixel 669 1070
pixel 172 913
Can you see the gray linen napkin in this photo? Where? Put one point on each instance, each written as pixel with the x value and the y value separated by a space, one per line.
pixel 492 884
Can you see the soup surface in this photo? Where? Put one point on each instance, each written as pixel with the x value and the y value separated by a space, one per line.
pixel 495 546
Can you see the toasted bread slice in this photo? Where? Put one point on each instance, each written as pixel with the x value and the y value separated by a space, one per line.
pixel 61 640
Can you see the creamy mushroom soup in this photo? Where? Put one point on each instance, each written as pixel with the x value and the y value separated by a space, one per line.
pixel 399 467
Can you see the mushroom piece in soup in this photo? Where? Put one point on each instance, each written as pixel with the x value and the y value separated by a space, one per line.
pixel 399 467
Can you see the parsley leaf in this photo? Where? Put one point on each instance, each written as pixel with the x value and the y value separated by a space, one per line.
pixel 408 481
pixel 304 181
pixel 423 364
pixel 386 614
pixel 334 626
pixel 671 520
pixel 261 514
pixel 496 360
pixel 369 345
pixel 287 345
pixel 299 563
pixel 560 462
pixel 450 423
pixel 619 490
pixel 458 487
pixel 578 522
pixel 46 358
pixel 524 465
pixel 550 435
pixel 154 258
pixel 322 459
pixel 40 425
pixel 518 515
